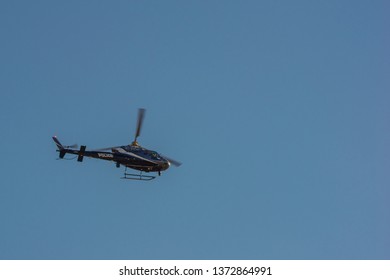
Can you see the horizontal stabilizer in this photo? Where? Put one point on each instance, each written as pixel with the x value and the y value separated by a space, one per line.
pixel 81 153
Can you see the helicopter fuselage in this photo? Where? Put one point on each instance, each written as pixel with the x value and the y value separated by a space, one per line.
pixel 135 157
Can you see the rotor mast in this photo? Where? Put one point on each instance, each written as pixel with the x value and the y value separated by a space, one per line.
pixel 141 115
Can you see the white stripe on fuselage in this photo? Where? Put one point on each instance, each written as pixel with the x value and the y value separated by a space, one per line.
pixel 123 151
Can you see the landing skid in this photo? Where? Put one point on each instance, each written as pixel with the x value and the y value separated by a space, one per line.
pixel 140 176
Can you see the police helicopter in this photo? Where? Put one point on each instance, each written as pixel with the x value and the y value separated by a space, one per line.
pixel 131 156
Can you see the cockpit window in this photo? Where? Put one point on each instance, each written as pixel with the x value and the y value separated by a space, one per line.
pixel 142 152
pixel 127 148
pixel 155 155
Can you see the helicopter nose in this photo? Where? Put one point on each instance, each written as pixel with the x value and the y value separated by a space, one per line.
pixel 165 165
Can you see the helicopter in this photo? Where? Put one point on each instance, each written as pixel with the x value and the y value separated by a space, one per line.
pixel 132 156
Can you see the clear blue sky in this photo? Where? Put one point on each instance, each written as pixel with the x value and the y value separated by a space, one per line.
pixel 279 111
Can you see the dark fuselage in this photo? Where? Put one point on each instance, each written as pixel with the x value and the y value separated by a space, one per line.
pixel 132 156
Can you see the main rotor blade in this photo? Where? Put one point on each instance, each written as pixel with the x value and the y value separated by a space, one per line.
pixel 141 115
pixel 172 161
